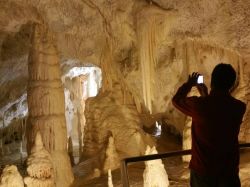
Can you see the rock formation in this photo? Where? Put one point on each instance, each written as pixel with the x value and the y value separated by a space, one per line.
pixel 145 50
pixel 154 174
pixel 70 151
pixel 39 166
pixel 110 182
pixel 105 114
pixel 112 160
pixel 11 177
pixel 114 110
pixel 144 42
pixel 46 104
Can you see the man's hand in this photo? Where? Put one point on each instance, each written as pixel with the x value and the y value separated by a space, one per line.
pixel 192 79
pixel 202 88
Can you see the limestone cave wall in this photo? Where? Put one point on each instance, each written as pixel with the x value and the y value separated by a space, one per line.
pixel 145 49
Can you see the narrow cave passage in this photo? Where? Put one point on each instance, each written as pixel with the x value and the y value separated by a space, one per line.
pixel 80 83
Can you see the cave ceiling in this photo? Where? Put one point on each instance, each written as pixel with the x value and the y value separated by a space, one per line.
pixel 83 27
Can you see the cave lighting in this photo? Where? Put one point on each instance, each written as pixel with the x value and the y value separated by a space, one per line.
pixel 93 82
pixel 158 129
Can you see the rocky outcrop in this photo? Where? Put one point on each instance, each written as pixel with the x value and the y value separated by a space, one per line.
pixel 39 166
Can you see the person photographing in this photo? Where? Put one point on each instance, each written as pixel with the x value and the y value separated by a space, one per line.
pixel 216 120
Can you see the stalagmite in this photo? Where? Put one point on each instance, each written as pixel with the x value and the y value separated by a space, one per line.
pixel 70 151
pixel 112 160
pixel 46 103
pixel 110 182
pixel 154 174
pixel 112 77
pixel 114 111
pixel 40 166
pixel 11 177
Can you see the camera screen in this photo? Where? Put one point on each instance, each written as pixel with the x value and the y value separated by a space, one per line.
pixel 200 79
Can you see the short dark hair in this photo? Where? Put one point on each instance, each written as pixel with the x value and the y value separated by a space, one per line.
pixel 223 77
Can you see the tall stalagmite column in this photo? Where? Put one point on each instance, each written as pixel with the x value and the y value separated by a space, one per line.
pixel 46 103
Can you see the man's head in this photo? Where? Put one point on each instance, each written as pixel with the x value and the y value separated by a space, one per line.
pixel 223 77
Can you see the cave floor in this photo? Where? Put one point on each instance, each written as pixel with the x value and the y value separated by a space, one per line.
pixel 177 170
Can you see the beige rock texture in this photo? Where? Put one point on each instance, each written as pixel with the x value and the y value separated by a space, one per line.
pixel 46 104
pixel 39 166
pixel 71 151
pixel 75 105
pixel 11 177
pixel 154 174
pixel 115 112
pixel 112 160
pixel 110 182
pixel 145 49
pixel 105 116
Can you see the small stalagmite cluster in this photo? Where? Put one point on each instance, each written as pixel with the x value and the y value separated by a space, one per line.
pixel 39 166
pixel 11 177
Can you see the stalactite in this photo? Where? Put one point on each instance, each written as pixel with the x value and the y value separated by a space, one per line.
pixel 111 76
pixel 80 113
pixel 151 28
pixel 148 61
pixel 46 103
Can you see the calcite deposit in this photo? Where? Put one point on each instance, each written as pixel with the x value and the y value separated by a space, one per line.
pixel 154 173
pixel 145 50
pixel 46 103
pixel 112 160
pixel 105 116
pixel 11 177
pixel 39 166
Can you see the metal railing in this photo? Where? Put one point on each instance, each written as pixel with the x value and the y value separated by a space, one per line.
pixel 124 162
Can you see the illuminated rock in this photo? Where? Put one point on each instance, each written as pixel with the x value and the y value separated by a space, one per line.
pixel 11 177
pixel 112 160
pixel 110 182
pixel 46 103
pixel 40 166
pixel 154 174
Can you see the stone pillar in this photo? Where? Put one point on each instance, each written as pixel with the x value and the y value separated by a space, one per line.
pixel 46 103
